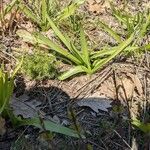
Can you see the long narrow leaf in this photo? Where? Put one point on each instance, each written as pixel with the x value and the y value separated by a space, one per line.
pixel 28 12
pixel 10 6
pixel 69 10
pixel 17 68
pixel 145 127
pixel 51 126
pixel 120 48
pixel 146 25
pixel 5 92
pixel 110 31
pixel 71 72
pixel 84 48
pixel 44 11
pixel 110 51
pixel 75 52
pixel 58 33
pixel 41 39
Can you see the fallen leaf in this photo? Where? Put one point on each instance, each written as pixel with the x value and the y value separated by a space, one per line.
pixel 25 107
pixel 97 6
pixel 137 83
pixel 108 88
pixel 96 103
pixel 126 88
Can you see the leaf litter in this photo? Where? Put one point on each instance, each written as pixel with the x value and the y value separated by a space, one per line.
pixel 2 126
pixel 96 103
pixel 24 107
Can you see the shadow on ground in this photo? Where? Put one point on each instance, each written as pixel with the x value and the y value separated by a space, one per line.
pixel 104 130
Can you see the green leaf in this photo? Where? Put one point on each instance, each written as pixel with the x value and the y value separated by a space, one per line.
pixel 121 17
pixel 69 10
pixel 102 53
pixel 6 89
pixel 27 36
pixel 29 13
pixel 51 126
pixel 72 71
pixel 109 51
pixel 58 33
pixel 119 49
pixel 10 6
pixel 84 48
pixel 146 47
pixel 17 68
pixel 76 53
pixel 146 25
pixel 110 31
pixel 145 127
pixel 41 39
pixel 44 11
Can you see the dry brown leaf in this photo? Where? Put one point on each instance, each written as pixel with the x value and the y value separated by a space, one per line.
pixel 97 6
pixel 2 126
pixel 137 83
pixel 28 26
pixel 108 88
pixel 127 85
pixel 126 88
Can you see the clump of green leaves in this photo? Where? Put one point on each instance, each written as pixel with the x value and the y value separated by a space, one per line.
pixel 6 90
pixel 39 65
pixel 79 57
pixel 129 23
pixel 38 10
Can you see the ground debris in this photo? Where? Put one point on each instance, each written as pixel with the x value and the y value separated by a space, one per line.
pixel 95 103
pixel 24 107
pixel 2 126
